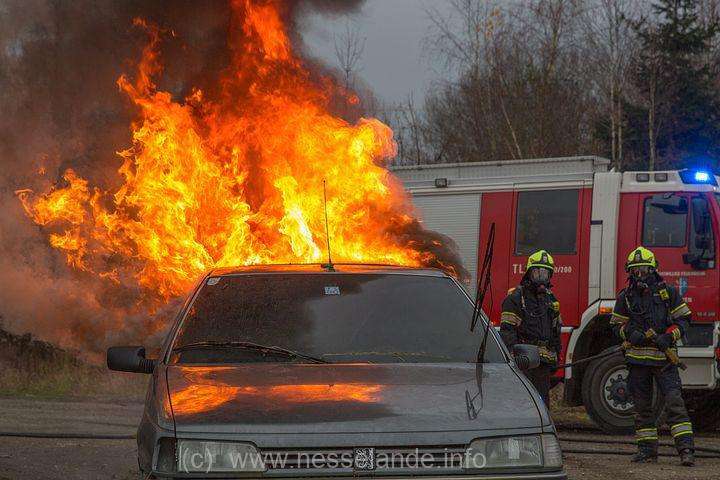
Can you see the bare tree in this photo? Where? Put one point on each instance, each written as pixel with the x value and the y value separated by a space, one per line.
pixel 651 89
pixel 610 45
pixel 415 128
pixel 651 99
pixel 517 89
pixel 468 124
pixel 349 49
pixel 410 130
pixel 709 12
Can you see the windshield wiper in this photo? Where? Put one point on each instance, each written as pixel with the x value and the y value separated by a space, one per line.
pixel 249 346
pixel 482 288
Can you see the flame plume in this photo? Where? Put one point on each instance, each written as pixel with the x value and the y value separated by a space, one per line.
pixel 237 179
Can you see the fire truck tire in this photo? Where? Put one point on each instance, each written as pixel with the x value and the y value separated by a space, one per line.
pixel 704 409
pixel 606 397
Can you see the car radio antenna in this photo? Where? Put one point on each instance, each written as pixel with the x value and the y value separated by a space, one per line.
pixel 482 288
pixel 329 265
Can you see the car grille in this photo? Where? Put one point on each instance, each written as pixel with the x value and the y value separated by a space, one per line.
pixel 338 461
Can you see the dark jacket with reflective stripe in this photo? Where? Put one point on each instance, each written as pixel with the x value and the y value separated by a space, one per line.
pixel 530 318
pixel 660 308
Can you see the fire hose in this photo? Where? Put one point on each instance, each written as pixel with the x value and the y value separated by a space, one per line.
pixel 523 362
pixel 608 353
pixel 671 355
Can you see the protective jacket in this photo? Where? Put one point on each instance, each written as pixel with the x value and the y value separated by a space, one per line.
pixel 658 307
pixel 533 318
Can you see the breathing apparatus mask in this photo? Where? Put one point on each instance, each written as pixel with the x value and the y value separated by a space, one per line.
pixel 539 278
pixel 641 277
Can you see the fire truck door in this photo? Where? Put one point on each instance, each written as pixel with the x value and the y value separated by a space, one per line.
pixel 678 228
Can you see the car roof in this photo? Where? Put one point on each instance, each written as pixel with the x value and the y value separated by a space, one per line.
pixel 356 268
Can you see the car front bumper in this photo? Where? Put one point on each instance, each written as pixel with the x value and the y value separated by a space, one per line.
pixel 495 476
pixel 559 475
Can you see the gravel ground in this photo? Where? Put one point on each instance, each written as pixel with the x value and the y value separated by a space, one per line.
pixel 33 459
pixel 596 467
pixel 71 459
pixel 49 459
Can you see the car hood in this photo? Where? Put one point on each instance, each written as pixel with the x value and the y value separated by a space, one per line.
pixel 349 398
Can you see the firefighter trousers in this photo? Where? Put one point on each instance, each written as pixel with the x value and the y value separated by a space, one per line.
pixel 640 385
pixel 540 378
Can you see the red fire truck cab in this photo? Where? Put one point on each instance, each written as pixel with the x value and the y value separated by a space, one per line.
pixel 589 218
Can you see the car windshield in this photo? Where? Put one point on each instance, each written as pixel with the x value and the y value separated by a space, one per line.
pixel 333 317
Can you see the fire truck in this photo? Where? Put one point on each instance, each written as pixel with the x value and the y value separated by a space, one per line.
pixel 589 217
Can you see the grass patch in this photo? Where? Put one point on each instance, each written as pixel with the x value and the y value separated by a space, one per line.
pixel 568 417
pixel 67 378
pixel 31 367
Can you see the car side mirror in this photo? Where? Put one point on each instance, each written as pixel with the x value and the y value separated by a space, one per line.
pixel 526 356
pixel 129 359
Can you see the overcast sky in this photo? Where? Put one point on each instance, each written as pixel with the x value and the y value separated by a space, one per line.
pixel 393 63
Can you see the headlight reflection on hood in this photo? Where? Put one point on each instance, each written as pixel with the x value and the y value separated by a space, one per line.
pixel 514 452
pixel 196 456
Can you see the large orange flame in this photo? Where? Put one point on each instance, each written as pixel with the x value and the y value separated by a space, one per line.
pixel 236 179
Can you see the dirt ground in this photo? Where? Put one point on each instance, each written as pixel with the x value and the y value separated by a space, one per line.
pixel 71 459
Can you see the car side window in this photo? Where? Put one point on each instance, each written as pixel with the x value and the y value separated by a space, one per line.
pixel 546 219
pixel 663 227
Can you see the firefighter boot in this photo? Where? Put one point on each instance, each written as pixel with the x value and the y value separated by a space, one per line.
pixel 647 452
pixel 644 456
pixel 687 458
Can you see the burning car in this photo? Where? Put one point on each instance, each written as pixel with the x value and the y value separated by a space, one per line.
pixel 336 370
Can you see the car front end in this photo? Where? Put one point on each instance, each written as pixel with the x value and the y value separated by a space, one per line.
pixel 382 383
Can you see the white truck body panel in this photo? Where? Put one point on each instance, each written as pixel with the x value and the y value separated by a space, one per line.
pixel 457 216
pixel 603 236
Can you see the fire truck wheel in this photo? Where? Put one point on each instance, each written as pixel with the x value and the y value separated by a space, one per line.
pixel 703 409
pixel 606 397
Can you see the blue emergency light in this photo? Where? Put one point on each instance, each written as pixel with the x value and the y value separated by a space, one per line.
pixel 701 176
pixel 697 176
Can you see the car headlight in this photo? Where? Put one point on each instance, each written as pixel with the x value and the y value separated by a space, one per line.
pixel 552 453
pixel 512 452
pixel 198 456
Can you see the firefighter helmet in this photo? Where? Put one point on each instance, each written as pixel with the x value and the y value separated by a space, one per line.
pixel 641 256
pixel 541 259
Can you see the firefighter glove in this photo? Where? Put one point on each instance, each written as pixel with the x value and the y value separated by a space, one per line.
pixel 523 362
pixel 636 337
pixel 664 341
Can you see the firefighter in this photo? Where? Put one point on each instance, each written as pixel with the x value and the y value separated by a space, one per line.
pixel 531 314
pixel 650 317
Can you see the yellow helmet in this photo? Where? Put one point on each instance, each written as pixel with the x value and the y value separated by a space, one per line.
pixel 541 259
pixel 639 257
